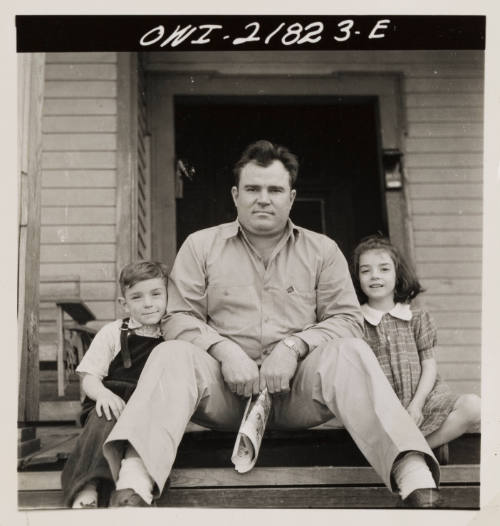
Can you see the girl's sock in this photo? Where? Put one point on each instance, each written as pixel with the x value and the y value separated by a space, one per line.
pixel 411 472
pixel 86 497
pixel 133 474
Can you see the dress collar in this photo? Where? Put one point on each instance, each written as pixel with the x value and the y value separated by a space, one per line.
pixel 373 316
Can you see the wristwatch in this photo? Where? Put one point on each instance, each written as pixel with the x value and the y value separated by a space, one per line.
pixel 291 344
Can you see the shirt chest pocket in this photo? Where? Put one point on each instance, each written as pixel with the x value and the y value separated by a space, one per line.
pixel 232 307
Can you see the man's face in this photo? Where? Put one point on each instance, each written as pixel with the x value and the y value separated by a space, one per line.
pixel 263 198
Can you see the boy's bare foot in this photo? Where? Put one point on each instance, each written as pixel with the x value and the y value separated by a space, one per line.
pixel 86 497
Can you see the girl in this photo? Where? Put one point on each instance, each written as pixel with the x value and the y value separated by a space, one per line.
pixel 404 342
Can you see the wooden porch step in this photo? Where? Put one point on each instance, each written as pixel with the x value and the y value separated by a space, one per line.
pixel 285 487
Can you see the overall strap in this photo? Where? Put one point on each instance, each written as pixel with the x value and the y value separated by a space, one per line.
pixel 127 362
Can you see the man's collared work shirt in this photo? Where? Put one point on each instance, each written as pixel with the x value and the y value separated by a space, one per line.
pixel 220 288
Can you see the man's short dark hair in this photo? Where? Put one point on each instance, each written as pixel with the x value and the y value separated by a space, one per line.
pixel 263 153
pixel 141 271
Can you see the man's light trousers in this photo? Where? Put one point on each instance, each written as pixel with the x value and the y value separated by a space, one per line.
pixel 341 378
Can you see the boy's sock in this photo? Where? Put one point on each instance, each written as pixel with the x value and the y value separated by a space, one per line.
pixel 411 472
pixel 133 475
pixel 86 497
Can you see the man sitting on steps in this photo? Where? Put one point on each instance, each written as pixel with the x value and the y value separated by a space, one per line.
pixel 261 302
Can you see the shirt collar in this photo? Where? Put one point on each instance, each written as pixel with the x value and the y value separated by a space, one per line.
pixel 153 330
pixel 373 316
pixel 233 229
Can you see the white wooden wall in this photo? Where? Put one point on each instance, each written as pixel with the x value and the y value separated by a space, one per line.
pixel 78 234
pixel 442 103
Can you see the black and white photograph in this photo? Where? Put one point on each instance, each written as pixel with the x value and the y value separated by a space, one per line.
pixel 252 251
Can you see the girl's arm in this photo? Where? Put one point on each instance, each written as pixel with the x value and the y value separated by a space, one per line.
pixel 425 385
pixel 105 400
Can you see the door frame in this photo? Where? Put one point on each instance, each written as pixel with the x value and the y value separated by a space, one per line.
pixel 164 86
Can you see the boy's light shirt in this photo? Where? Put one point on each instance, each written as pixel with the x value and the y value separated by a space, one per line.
pixel 373 316
pixel 106 345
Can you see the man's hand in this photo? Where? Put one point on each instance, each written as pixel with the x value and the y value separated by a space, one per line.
pixel 109 403
pixel 278 369
pixel 415 412
pixel 238 370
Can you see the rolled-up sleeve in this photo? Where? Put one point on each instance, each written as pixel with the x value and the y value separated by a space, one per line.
pixel 337 308
pixel 187 309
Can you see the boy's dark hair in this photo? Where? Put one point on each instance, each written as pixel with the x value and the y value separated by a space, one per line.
pixel 407 285
pixel 140 271
pixel 264 153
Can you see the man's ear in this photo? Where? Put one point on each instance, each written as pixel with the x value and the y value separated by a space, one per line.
pixel 234 193
pixel 293 193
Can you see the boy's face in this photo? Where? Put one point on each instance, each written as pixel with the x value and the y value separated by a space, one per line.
pixel 146 301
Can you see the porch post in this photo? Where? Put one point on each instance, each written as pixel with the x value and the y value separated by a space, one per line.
pixel 31 69
pixel 126 161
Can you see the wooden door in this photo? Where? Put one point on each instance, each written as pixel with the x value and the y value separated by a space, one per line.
pixel 338 127
pixel 339 189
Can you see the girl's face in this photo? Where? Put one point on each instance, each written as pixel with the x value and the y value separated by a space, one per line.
pixel 377 276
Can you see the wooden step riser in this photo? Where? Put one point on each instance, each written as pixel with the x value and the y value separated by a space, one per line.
pixel 453 497
pixel 228 477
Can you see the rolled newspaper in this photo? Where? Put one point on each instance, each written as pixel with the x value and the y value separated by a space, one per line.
pixel 249 439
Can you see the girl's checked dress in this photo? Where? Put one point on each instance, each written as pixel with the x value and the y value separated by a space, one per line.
pixel 401 339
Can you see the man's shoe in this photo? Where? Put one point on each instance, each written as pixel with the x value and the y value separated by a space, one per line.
pixel 423 498
pixel 126 498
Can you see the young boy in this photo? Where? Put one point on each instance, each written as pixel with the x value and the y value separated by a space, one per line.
pixel 110 370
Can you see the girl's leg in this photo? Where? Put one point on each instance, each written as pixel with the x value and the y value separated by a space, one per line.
pixel 465 417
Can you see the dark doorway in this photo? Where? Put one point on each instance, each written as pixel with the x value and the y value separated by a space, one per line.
pixel 339 190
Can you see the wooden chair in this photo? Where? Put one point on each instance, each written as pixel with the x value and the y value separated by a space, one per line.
pixel 64 335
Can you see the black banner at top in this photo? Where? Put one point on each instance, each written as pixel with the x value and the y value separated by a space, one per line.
pixel 249 32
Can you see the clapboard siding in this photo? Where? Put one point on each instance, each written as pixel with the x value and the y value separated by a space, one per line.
pixel 79 124
pixel 444 144
pixel 79 142
pixel 79 215
pixel 450 190
pixel 78 234
pixel 78 253
pixel 80 88
pixel 87 272
pixel 448 253
pixel 83 106
pixel 439 237
pixel 79 178
pixel 443 157
pixel 453 302
pixel 447 206
pixel 445 129
pixel 452 269
pixel 67 197
pixel 451 286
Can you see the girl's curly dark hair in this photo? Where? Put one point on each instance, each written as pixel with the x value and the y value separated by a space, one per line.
pixel 407 285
